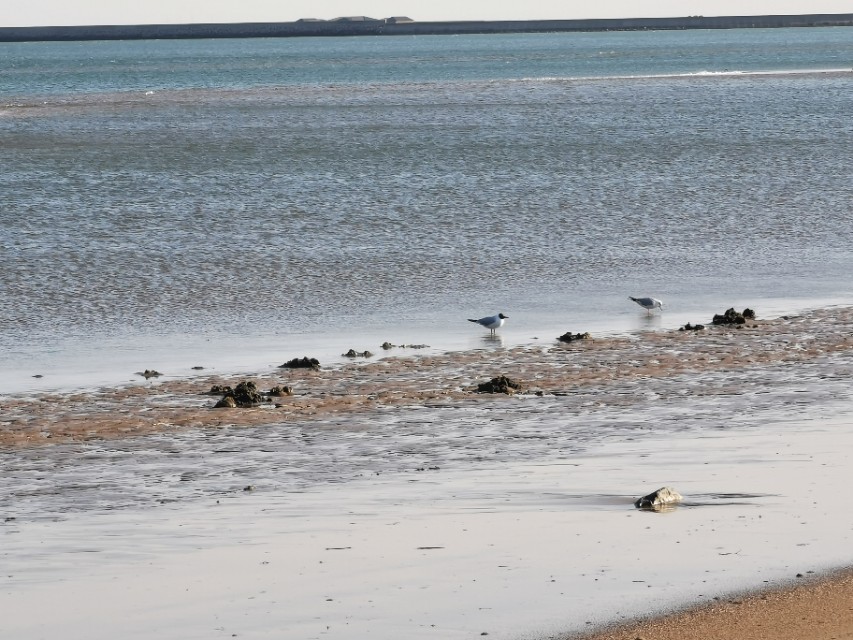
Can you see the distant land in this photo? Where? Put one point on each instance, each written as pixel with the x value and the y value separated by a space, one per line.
pixel 399 26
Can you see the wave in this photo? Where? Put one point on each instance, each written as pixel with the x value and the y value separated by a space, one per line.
pixel 707 73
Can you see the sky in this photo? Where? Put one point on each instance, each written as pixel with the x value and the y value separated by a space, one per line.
pixel 22 13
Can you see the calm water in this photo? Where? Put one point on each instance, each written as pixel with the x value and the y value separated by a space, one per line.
pixel 237 203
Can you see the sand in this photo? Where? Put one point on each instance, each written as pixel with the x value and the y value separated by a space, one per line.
pixel 549 369
pixel 818 609
pixel 386 498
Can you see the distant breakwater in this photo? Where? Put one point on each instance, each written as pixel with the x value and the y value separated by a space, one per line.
pixel 395 27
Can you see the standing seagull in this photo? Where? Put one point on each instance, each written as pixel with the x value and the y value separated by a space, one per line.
pixel 491 322
pixel 648 303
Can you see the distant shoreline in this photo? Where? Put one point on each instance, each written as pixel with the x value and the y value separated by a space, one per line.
pixel 395 26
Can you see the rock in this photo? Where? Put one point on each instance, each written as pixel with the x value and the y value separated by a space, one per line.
pixel 387 346
pixel 243 395
pixel 571 337
pixel 733 317
pixel 660 500
pixel 246 394
pixel 221 390
pixel 281 391
pixel 692 327
pixel 501 384
pixel 150 373
pixel 197 368
pixel 228 402
pixel 352 353
pixel 301 363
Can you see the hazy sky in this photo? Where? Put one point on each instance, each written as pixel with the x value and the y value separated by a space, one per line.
pixel 69 12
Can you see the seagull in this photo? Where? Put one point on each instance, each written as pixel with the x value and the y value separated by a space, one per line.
pixel 648 303
pixel 491 322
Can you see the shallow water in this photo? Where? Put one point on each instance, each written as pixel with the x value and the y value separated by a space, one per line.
pixel 168 209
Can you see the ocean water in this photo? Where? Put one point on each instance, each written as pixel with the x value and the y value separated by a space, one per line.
pixel 235 203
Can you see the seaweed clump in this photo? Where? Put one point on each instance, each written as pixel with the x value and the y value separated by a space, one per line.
pixel 301 363
pixel 571 337
pixel 733 317
pixel 692 327
pixel 243 395
pixel 501 384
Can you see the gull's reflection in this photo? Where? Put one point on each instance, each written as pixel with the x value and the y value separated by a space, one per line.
pixel 652 321
pixel 493 340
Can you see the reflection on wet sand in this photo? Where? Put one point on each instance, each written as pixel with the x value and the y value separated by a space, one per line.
pixel 382 481
pixel 606 372
pixel 399 414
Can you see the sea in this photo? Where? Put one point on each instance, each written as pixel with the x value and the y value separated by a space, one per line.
pixel 235 203
pixel 218 207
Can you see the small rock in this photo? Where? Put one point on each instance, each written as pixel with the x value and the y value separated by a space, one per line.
pixel 301 363
pixel 150 373
pixel 352 353
pixel 220 390
pixel 661 500
pixel 281 391
pixel 733 317
pixel 387 345
pixel 501 384
pixel 246 394
pixel 228 402
pixel 571 337
pixel 692 327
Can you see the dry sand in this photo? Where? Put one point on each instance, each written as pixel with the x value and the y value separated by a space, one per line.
pixel 816 610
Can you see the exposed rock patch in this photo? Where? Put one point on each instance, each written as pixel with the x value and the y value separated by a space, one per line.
pixel 501 384
pixel 692 327
pixel 388 346
pixel 243 395
pixel 733 317
pixel 352 353
pixel 571 337
pixel 228 402
pixel 301 363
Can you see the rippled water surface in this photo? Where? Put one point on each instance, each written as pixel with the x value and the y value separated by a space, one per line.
pixel 149 216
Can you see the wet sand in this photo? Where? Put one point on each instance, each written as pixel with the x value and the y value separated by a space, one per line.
pixel 386 498
pixel 819 609
pixel 578 369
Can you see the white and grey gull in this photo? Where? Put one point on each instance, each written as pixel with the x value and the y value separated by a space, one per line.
pixel 491 322
pixel 648 303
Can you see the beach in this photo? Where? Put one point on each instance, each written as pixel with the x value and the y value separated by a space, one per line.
pixel 601 369
pixel 183 219
pixel 820 609
pixel 389 497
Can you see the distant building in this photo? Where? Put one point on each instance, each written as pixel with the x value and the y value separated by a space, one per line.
pixel 310 20
pixel 398 20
